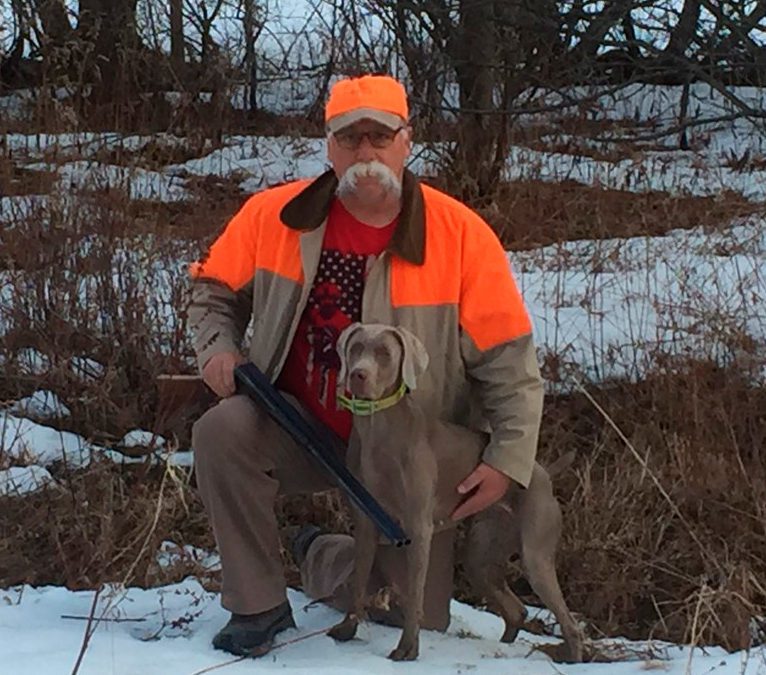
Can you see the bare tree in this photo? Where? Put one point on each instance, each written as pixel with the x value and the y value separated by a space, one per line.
pixel 253 27
pixel 9 64
pixel 177 44
pixel 685 31
pixel 203 15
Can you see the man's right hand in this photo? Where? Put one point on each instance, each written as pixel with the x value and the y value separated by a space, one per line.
pixel 218 372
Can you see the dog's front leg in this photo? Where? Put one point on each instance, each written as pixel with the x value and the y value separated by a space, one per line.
pixel 365 545
pixel 418 556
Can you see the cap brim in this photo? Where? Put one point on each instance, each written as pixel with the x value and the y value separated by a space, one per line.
pixel 387 119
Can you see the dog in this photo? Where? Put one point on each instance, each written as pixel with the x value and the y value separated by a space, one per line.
pixel 412 465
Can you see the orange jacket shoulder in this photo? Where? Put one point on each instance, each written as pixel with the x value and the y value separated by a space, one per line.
pixel 465 265
pixel 255 238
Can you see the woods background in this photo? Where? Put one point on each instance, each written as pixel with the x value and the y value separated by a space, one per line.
pixel 120 94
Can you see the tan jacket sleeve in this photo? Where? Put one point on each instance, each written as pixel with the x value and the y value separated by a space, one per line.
pixel 218 318
pixel 499 355
pixel 221 288
pixel 508 385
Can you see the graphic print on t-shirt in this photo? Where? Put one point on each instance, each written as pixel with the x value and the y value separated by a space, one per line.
pixel 334 303
pixel 311 370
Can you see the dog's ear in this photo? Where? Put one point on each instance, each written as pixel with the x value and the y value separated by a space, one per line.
pixel 414 357
pixel 340 347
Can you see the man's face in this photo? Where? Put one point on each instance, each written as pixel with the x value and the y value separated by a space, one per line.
pixel 362 145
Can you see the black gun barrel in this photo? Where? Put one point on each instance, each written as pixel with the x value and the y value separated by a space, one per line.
pixel 257 386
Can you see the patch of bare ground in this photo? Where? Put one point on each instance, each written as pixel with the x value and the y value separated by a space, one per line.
pixel 576 135
pixel 527 214
pixel 213 201
pixel 17 181
pixel 156 153
pixel 670 543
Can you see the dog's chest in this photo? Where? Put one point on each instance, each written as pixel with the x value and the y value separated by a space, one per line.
pixel 396 474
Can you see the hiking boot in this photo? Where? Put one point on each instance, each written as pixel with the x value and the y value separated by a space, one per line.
pixel 253 634
pixel 301 540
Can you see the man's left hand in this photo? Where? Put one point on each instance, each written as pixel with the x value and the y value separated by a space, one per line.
pixel 490 485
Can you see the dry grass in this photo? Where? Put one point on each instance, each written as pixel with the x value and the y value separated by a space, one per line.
pixel 18 181
pixel 97 274
pixel 645 563
pixel 631 562
pixel 532 213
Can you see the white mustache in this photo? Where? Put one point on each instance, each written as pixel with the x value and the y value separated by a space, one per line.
pixel 374 169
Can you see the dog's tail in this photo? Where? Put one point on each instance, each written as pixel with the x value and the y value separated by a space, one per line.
pixel 561 464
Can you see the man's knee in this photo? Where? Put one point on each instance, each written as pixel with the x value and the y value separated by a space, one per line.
pixel 225 428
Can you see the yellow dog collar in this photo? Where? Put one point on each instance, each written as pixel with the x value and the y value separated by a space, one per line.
pixel 362 406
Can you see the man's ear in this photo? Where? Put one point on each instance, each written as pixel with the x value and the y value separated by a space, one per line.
pixel 409 133
pixel 340 347
pixel 414 357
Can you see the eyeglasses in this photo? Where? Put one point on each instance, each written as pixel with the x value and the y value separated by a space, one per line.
pixel 379 139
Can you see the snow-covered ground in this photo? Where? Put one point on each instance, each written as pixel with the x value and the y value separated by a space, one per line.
pixel 168 631
pixel 259 161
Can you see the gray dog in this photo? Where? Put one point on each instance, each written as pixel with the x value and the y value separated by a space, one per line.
pixel 412 466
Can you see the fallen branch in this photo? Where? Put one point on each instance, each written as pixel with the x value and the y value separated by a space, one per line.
pixel 90 618
pixel 279 645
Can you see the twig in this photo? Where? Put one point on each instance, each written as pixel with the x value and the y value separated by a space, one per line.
pixel 90 629
pixel 88 632
pixel 89 618
pixel 279 645
pixel 693 641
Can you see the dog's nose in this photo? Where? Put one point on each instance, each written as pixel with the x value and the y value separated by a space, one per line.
pixel 359 375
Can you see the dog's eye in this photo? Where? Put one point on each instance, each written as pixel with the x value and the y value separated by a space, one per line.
pixel 356 349
pixel 382 354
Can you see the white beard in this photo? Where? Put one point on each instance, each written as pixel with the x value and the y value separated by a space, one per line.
pixel 387 178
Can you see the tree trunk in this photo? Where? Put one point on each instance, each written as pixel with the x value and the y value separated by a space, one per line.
pixel 177 46
pixel 475 57
pixel 250 37
pixel 110 25
pixel 10 64
pixel 54 21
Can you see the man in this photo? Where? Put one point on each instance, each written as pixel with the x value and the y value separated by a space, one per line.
pixel 366 241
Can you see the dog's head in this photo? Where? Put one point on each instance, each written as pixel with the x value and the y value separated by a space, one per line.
pixel 376 358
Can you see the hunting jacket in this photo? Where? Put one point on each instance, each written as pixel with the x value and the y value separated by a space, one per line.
pixel 444 276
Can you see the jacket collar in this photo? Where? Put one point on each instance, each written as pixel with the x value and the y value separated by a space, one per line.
pixel 309 208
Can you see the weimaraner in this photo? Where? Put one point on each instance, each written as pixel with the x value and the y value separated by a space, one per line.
pixel 412 464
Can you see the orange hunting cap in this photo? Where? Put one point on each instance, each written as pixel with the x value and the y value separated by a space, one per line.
pixel 371 97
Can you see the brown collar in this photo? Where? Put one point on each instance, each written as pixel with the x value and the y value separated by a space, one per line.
pixel 309 208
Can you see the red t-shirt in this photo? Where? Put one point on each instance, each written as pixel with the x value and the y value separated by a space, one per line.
pixel 311 370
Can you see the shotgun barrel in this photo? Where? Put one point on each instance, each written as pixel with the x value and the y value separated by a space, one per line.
pixel 252 382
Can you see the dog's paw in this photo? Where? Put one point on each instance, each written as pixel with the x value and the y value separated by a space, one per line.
pixel 405 651
pixel 345 630
pixel 561 652
pixel 510 634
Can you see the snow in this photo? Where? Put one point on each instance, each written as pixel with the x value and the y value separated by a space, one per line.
pixel 42 404
pixel 140 438
pixel 22 439
pixel 21 480
pixel 142 638
pixel 259 161
pixel 606 308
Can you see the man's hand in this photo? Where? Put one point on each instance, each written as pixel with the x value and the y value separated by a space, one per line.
pixel 218 372
pixel 490 485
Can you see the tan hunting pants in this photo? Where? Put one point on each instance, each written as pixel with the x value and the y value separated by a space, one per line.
pixel 243 460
